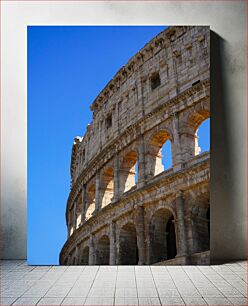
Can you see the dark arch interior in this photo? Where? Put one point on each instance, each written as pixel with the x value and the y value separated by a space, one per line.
pixel 162 236
pixel 85 256
pixel 103 251
pixel 128 245
pixel 171 239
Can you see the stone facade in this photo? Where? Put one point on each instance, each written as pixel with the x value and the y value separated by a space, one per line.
pixel 123 208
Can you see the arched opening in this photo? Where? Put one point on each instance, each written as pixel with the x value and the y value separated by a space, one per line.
pixel 107 186
pixel 103 251
pixel 91 194
pixel 160 153
pixel 202 137
pixel 85 256
pixel 70 222
pixel 128 252
pixel 200 126
pixel 78 213
pixel 136 169
pixel 128 171
pixel 162 236
pixel 78 219
pixel 166 155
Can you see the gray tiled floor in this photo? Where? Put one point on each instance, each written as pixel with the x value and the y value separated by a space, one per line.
pixel 120 285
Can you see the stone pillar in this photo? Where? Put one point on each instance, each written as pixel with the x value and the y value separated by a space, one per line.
pixel 76 256
pixel 117 244
pixel 182 242
pixel 97 198
pixel 116 177
pixel 91 251
pixel 143 97
pixel 68 259
pixel 84 203
pixel 69 223
pixel 112 246
pixel 176 146
pixel 75 216
pixel 188 139
pixel 141 163
pixel 140 229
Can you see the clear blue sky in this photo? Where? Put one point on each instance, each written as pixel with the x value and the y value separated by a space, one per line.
pixel 67 68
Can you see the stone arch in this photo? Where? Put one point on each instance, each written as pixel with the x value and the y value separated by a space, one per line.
pixel 156 143
pixel 162 236
pixel 103 250
pixel 85 256
pixel 107 186
pixel 91 199
pixel 127 171
pixel 128 249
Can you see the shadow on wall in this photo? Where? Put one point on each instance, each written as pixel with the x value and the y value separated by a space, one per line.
pixel 225 236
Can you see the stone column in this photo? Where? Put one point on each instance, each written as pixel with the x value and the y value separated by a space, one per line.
pixel 140 229
pixel 142 90
pixel 141 163
pixel 97 197
pixel 91 251
pixel 116 177
pixel 84 203
pixel 176 146
pixel 69 223
pixel 182 242
pixel 112 246
pixel 76 256
pixel 75 216
pixel 68 260
pixel 117 244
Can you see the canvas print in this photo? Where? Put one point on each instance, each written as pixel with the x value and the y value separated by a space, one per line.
pixel 137 187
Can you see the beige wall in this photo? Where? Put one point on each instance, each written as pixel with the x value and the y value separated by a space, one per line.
pixel 228 105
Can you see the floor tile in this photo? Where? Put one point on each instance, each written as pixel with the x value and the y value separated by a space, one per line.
pixel 165 292
pixel 99 301
pixel 166 301
pixel 124 285
pixel 149 301
pixel 126 292
pixel 79 291
pixel 102 292
pixel 238 301
pixel 26 301
pixel 147 292
pixel 217 301
pixel 50 301
pixel 73 301
pixel 126 301
pixel 194 301
pixel 7 300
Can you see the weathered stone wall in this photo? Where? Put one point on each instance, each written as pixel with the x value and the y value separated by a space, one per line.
pixel 114 209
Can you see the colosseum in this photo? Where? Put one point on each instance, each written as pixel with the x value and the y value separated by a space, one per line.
pixel 124 208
